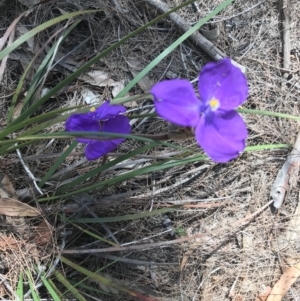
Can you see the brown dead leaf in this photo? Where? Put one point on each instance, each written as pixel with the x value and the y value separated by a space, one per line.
pixel 9 34
pixel 97 78
pixel 287 176
pixel 135 67
pixel 34 252
pixel 43 234
pixel 4 60
pixel 7 190
pixel 12 207
pixel 9 30
pixel 90 97
pixel 22 30
pixel 18 110
pixel 9 243
pixel 102 79
pixel 286 280
pixel 264 295
pixel 2 290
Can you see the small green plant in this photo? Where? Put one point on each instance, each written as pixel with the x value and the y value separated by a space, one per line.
pixel 180 231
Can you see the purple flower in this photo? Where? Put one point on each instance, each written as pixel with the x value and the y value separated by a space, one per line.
pixel 106 118
pixel 219 130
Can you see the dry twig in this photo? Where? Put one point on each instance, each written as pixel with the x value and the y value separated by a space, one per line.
pixel 286 18
pixel 284 283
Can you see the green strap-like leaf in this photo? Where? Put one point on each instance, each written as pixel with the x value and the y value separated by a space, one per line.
pixel 127 217
pixel 33 292
pixel 69 286
pixel 58 162
pixel 20 287
pixel 50 289
pixel 104 280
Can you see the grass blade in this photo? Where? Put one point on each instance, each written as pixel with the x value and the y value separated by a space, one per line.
pixel 94 235
pixel 33 292
pixel 102 168
pixel 141 171
pixel 128 217
pixel 50 289
pixel 40 73
pixel 54 287
pixel 105 281
pixel 40 119
pixel 20 287
pixel 69 286
pixel 58 162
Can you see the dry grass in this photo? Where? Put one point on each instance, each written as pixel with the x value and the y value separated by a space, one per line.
pixel 238 262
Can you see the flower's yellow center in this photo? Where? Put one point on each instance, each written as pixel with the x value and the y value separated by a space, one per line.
pixel 93 109
pixel 214 104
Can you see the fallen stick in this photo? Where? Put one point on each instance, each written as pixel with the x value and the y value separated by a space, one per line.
pixel 197 38
pixel 285 282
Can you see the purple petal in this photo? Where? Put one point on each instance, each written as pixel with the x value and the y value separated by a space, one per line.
pixel 119 124
pixel 225 82
pixel 99 148
pixel 176 101
pixel 82 123
pixel 107 111
pixel 222 137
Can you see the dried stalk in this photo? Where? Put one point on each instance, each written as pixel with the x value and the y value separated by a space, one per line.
pixel 286 20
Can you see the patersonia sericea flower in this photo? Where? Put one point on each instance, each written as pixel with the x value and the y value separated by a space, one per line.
pixel 106 118
pixel 219 129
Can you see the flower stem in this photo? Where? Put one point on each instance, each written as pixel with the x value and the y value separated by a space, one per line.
pixel 266 146
pixel 268 113
pixel 180 134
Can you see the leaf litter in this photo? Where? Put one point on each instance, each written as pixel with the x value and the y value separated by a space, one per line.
pixel 20 242
pixel 12 207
